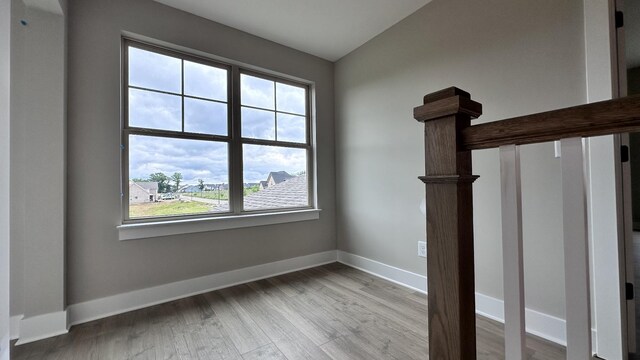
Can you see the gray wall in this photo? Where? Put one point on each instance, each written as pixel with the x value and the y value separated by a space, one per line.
pixel 98 264
pixel 16 228
pixel 5 51
pixel 515 57
pixel 37 161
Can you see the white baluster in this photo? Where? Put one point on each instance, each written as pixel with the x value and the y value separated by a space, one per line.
pixel 512 254
pixel 576 254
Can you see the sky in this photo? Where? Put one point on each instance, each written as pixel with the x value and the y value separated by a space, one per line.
pixel 263 103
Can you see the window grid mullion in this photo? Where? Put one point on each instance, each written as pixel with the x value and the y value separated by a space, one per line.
pixel 252 141
pixel 271 110
pixel 124 138
pixel 153 90
pixel 236 171
pixel 176 135
pixel 275 109
pixel 311 165
pixel 184 95
pixel 182 90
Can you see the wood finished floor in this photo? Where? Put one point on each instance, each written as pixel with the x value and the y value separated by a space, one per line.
pixel 328 312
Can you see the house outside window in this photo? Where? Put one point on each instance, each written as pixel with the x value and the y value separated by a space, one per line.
pixel 203 138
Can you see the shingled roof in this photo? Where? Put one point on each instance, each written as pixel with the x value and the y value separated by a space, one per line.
pixel 148 186
pixel 279 176
pixel 292 192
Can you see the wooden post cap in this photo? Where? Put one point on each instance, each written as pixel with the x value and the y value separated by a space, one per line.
pixel 447 102
pixel 445 93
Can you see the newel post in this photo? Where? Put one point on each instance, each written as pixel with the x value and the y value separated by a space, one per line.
pixel 448 179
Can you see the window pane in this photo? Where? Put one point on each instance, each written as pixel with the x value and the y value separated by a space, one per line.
pixel 205 81
pixel 205 117
pixel 258 124
pixel 257 92
pixel 171 177
pixel 274 177
pixel 292 128
pixel 154 71
pixel 291 99
pixel 152 110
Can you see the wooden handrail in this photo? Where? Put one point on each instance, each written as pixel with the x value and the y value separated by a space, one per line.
pixel 600 118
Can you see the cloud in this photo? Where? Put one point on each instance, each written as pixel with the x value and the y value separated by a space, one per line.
pixel 258 124
pixel 205 81
pixel 154 71
pixel 205 117
pixel 209 160
pixel 271 95
pixel 290 99
pixel 257 92
pixel 194 159
pixel 261 124
pixel 148 109
pixel 260 160
pixel 292 128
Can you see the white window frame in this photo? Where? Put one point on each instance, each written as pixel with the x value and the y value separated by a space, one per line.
pixel 237 216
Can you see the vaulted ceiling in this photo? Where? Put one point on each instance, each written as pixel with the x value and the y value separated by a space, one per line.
pixel 329 29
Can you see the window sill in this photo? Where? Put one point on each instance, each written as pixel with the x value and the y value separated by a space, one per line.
pixel 177 227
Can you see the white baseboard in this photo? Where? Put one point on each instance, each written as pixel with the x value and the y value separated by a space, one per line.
pixel 42 326
pixel 542 325
pixel 387 272
pixel 490 307
pixel 138 299
pixel 546 326
pixel 14 326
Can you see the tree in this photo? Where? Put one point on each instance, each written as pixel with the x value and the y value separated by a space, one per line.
pixel 176 177
pixel 201 186
pixel 162 180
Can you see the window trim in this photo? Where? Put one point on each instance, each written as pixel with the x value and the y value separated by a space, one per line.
pixel 145 230
pixel 234 138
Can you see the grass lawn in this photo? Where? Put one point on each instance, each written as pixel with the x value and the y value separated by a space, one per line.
pixel 224 194
pixel 167 208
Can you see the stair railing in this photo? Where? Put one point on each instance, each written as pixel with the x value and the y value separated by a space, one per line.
pixel 449 140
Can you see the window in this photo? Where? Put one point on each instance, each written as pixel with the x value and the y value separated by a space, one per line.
pixel 202 138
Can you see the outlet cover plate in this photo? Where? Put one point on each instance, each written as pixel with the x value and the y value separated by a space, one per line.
pixel 422 249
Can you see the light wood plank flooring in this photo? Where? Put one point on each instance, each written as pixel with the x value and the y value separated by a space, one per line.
pixel 328 312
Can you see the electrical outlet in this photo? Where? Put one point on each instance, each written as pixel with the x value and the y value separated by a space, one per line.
pixel 422 249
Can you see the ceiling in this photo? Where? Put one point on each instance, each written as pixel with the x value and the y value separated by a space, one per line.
pixel 329 29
